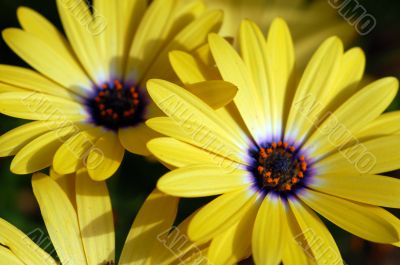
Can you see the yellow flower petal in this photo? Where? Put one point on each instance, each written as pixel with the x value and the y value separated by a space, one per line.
pixel 231 116
pixel 396 244
pixel 60 219
pixel 105 157
pixel 203 55
pixel 371 189
pixel 39 153
pixel 314 88
pixel 386 124
pixel 215 93
pixel 34 23
pixel 163 250
pixel 253 51
pixel 314 236
pixel 31 80
pixel 166 251
pixel 38 106
pixel 130 15
pixel 149 38
pixel 4 88
pixel 115 23
pixel 180 154
pixel 293 252
pixel 184 13
pixel 12 141
pixel 8 258
pixel 203 180
pixel 280 64
pixel 221 213
pixel 195 117
pixel 188 69
pixel 47 61
pixel 248 99
pixel 154 219
pixel 67 185
pixel 370 157
pixel 234 244
pixel 366 221
pixel 271 63
pixel 134 139
pixel 352 116
pixel 167 126
pixel 95 217
pixel 22 246
pixel 350 75
pixel 191 37
pixel 268 231
pixel 73 153
pixel 196 255
pixel 81 34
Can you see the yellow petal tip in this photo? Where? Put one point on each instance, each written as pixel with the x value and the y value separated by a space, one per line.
pixel 279 21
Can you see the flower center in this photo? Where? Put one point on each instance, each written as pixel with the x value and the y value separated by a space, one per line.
pixel 117 105
pixel 279 167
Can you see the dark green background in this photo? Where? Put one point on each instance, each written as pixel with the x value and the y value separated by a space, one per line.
pixel 137 176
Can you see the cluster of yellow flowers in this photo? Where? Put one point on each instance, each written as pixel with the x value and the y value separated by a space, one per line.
pixel 228 114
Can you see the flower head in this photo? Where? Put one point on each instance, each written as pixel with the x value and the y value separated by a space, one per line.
pixel 282 151
pixel 88 97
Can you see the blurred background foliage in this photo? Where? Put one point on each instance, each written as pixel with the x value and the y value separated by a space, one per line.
pixel 137 176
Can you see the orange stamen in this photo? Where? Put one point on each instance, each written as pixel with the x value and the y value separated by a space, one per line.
pixel 262 153
pixel 304 166
pixel 117 84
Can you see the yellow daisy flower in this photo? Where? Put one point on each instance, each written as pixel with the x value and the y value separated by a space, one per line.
pixel 88 96
pixel 78 216
pixel 283 151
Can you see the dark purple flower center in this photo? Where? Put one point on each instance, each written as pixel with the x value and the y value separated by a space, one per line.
pixel 278 167
pixel 117 105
